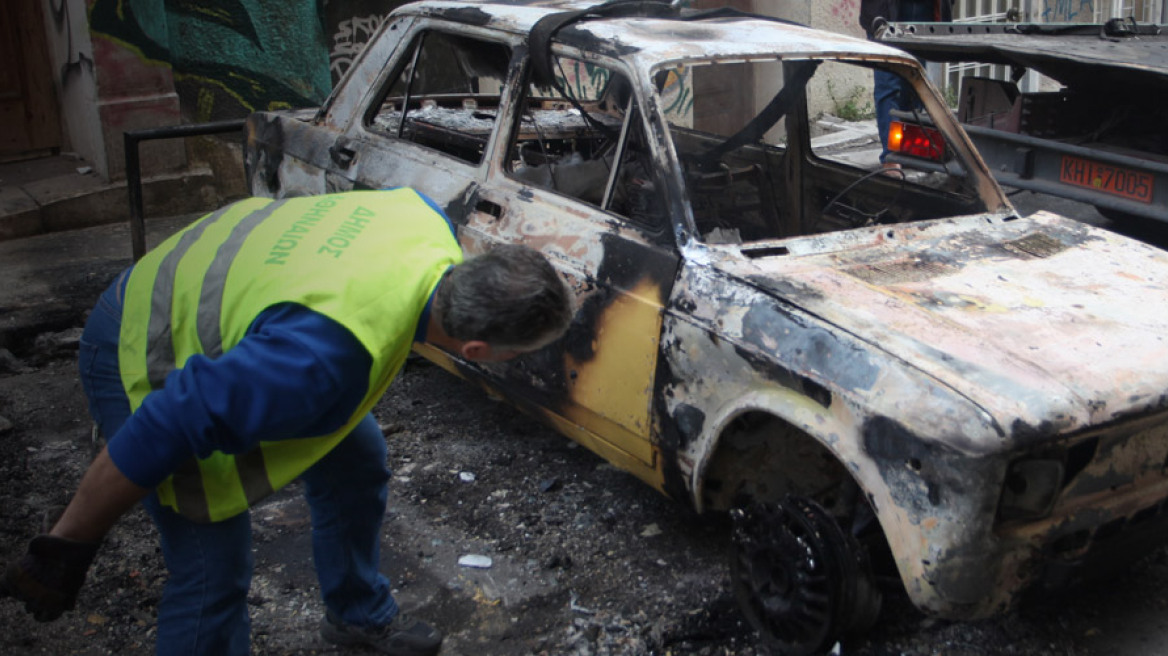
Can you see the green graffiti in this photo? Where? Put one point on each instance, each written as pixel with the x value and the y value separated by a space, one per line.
pixel 229 57
pixel 581 80
pixel 230 15
pixel 677 93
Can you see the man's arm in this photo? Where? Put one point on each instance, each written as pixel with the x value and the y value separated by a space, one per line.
pixel 52 571
pixel 49 576
pixel 297 374
pixel 102 497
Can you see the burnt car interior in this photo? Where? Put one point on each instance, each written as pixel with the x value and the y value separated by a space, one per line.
pixel 447 87
pixel 582 135
pixel 741 130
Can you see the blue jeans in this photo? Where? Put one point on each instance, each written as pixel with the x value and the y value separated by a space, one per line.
pixel 204 603
pixel 889 90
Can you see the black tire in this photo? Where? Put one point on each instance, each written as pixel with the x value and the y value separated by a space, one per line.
pixel 801 581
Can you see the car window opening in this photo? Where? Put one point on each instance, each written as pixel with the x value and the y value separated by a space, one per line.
pixel 583 136
pixel 445 95
pixel 755 173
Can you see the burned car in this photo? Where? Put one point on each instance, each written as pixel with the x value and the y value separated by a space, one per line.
pixel 864 368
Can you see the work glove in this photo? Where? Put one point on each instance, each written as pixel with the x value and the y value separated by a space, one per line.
pixel 49 576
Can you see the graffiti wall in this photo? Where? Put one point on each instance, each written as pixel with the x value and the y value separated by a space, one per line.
pixel 232 57
pixel 352 26
pixel 122 65
pixel 228 57
pixel 1068 11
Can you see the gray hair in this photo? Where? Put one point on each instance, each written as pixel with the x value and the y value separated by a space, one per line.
pixel 509 297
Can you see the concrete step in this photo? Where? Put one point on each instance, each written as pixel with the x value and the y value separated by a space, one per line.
pixel 57 199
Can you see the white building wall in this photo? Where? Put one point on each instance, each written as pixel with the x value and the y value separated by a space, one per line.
pixel 839 16
pixel 71 57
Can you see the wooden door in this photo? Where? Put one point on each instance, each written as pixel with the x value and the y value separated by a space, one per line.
pixel 29 117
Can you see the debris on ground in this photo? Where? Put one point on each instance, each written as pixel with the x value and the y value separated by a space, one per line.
pixel 583 558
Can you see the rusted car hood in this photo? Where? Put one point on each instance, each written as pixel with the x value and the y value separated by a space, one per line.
pixel 1047 324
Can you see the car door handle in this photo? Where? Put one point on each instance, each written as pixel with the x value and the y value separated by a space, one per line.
pixel 342 152
pixel 489 207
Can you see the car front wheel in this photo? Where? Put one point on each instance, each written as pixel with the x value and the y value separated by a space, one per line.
pixel 801 581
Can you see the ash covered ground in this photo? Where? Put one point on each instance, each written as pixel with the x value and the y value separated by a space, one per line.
pixel 585 559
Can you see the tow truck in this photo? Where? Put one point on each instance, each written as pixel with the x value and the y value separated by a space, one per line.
pixel 1101 139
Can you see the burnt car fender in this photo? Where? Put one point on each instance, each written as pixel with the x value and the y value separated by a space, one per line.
pixel 762 400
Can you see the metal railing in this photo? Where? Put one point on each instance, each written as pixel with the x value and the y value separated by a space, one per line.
pixel 134 172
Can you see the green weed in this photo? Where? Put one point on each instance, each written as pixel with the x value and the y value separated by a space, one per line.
pixel 855 106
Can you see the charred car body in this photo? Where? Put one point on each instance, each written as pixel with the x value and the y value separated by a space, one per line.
pixel 849 362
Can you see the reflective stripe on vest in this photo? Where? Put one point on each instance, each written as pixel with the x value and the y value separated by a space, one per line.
pixel 187 481
pixel 208 283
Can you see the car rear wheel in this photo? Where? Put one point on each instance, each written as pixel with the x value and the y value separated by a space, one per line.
pixel 801 581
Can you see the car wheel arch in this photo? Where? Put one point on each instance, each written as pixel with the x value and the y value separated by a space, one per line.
pixel 767 444
pixel 745 450
pixel 759 456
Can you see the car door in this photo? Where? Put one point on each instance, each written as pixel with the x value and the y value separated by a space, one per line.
pixel 453 117
pixel 582 190
pixel 423 116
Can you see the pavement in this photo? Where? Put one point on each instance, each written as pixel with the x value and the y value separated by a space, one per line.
pixel 58 193
pixel 854 142
pixel 51 280
pixel 64 235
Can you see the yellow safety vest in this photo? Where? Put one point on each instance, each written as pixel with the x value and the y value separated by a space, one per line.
pixel 368 260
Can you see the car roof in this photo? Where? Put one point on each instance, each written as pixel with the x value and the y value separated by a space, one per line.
pixel 660 39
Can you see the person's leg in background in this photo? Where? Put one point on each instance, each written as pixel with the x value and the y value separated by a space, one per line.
pixel 886 90
pixel 890 91
pixel 913 11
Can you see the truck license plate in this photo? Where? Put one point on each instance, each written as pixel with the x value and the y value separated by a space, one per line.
pixel 1114 180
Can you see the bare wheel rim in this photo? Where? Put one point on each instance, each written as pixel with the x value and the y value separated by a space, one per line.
pixel 787 574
